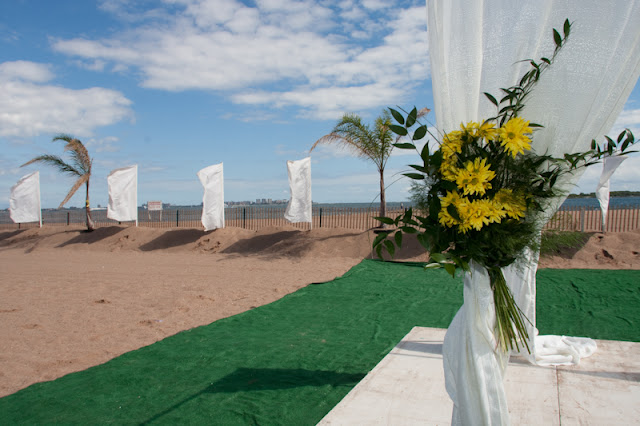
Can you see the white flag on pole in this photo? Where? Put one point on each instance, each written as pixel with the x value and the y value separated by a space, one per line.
pixel 123 194
pixel 299 207
pixel 609 165
pixel 24 203
pixel 212 180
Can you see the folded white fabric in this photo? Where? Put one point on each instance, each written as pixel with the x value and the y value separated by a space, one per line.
pixel 563 350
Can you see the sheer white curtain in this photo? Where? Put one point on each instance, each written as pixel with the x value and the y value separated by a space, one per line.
pixel 474 47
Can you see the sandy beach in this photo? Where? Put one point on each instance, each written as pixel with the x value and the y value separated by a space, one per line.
pixel 70 299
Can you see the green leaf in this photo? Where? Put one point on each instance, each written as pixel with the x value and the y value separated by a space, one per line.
pixel 593 144
pixel 404 145
pixel 385 220
pixel 397 116
pixel 451 209
pixel 626 142
pixel 450 268
pixel 398 238
pixel 432 266
pixel 409 230
pixel 557 38
pixel 567 28
pixel 424 154
pixel 420 132
pixel 379 251
pixel 379 238
pixel 418 168
pixel 414 176
pixel 439 257
pixel 546 60
pixel 398 130
pixel 411 118
pixel 407 215
pixel 390 247
pixel 424 241
pixel 491 98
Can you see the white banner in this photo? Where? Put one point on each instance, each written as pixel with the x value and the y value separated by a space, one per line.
pixel 212 180
pixel 123 194
pixel 609 165
pixel 299 207
pixel 24 203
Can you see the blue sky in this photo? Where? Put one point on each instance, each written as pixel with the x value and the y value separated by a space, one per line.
pixel 178 85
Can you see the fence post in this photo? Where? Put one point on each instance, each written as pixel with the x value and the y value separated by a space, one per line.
pixel 320 218
pixel 582 216
pixel 68 213
pixel 244 216
pixel 177 218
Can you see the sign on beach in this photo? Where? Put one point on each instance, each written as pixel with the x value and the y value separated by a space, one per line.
pixel 154 205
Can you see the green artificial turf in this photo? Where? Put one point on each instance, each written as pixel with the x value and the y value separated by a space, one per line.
pixel 291 361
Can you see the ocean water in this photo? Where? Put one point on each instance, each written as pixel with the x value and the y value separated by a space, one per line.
pixel 592 203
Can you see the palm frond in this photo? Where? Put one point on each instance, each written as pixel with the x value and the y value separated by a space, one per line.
pixel 74 188
pixel 360 139
pixel 55 161
pixel 78 152
pixel 335 138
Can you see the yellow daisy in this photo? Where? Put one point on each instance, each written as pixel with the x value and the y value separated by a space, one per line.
pixel 512 204
pixel 445 219
pixel 514 136
pixel 485 130
pixel 451 144
pixel 478 214
pixel 449 170
pixel 475 177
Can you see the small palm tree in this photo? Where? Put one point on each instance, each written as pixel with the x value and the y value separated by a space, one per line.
pixel 80 167
pixel 373 144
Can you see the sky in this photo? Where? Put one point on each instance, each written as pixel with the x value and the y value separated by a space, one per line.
pixel 177 85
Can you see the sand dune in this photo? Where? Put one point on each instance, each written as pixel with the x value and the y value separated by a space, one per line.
pixel 71 299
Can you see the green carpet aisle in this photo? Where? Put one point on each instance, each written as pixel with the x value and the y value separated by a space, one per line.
pixel 291 361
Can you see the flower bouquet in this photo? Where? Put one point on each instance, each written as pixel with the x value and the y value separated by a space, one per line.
pixel 486 191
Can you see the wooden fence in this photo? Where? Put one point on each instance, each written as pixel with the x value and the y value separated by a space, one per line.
pixel 619 219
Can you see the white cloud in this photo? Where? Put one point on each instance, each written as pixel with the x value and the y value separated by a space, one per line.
pixel 29 106
pixel 625 178
pixel 25 71
pixel 106 144
pixel 628 119
pixel 302 48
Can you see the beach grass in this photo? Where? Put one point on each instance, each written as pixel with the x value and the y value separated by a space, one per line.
pixel 555 243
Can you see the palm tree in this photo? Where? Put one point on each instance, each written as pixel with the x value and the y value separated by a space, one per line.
pixel 373 144
pixel 79 166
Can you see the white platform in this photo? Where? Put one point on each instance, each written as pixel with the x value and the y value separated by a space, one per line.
pixel 407 388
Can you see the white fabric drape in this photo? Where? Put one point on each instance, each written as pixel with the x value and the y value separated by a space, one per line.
pixel 609 165
pixel 212 180
pixel 299 207
pixel 24 202
pixel 123 194
pixel 475 47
